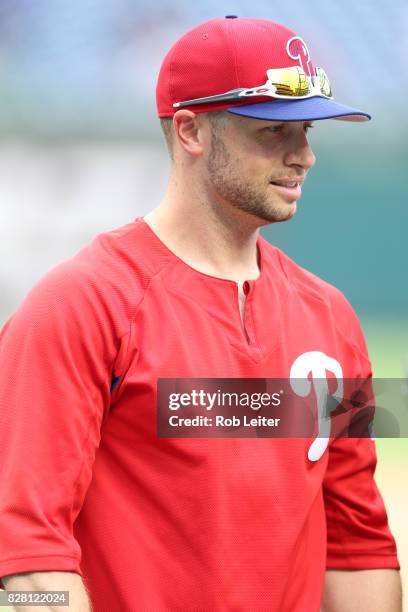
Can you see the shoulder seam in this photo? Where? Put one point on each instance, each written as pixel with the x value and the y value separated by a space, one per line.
pixel 132 318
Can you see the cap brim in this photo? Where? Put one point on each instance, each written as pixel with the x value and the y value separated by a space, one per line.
pixel 309 109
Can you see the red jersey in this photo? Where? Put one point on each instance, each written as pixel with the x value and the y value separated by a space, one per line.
pixel 176 523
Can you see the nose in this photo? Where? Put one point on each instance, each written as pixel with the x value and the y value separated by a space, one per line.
pixel 299 152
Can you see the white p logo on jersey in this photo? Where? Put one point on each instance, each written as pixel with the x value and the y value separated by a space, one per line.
pixel 317 364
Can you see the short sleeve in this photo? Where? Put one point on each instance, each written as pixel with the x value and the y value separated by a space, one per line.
pixel 56 355
pixel 358 535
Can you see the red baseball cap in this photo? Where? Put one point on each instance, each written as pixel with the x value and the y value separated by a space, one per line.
pixel 227 61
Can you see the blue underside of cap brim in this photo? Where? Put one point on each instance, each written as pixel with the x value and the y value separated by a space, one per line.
pixel 309 109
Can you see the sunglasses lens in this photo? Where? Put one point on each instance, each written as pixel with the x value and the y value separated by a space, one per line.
pixel 323 82
pixel 291 82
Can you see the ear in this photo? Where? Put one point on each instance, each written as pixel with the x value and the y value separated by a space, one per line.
pixel 188 132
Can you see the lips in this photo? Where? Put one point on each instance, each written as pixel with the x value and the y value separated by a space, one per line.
pixel 290 190
pixel 286 183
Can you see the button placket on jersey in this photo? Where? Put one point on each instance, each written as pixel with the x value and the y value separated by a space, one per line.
pixel 248 323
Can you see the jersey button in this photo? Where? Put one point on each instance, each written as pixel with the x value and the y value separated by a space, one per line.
pixel 246 287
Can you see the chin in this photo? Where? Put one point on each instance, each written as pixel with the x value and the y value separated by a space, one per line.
pixel 284 212
pixel 276 217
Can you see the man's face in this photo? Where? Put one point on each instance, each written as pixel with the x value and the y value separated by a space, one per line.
pixel 259 166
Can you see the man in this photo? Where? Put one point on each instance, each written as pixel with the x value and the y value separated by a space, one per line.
pixel 192 290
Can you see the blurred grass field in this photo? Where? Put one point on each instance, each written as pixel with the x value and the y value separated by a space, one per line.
pixel 387 340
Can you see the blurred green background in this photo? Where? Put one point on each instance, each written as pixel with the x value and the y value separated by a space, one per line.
pixel 352 223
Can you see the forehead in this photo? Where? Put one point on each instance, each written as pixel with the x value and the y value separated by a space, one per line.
pixel 239 121
pixel 249 123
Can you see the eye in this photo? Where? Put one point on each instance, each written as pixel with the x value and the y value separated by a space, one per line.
pixel 274 129
pixel 307 127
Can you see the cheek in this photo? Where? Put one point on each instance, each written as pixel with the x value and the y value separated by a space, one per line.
pixel 271 150
pixel 266 150
pixel 256 157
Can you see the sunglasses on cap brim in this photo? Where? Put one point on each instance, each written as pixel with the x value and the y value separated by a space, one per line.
pixel 283 83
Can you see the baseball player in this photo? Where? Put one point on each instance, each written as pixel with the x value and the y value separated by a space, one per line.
pixel 93 501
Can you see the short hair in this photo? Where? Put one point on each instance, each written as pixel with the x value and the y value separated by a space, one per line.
pixel 166 124
pixel 217 120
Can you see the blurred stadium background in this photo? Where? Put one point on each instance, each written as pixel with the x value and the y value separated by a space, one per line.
pixel 81 152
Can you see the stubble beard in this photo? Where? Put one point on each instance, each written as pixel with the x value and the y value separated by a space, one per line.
pixel 227 182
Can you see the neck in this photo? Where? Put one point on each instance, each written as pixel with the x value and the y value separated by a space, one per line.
pixel 211 236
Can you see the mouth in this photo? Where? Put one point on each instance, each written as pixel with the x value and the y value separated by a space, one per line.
pixel 291 190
